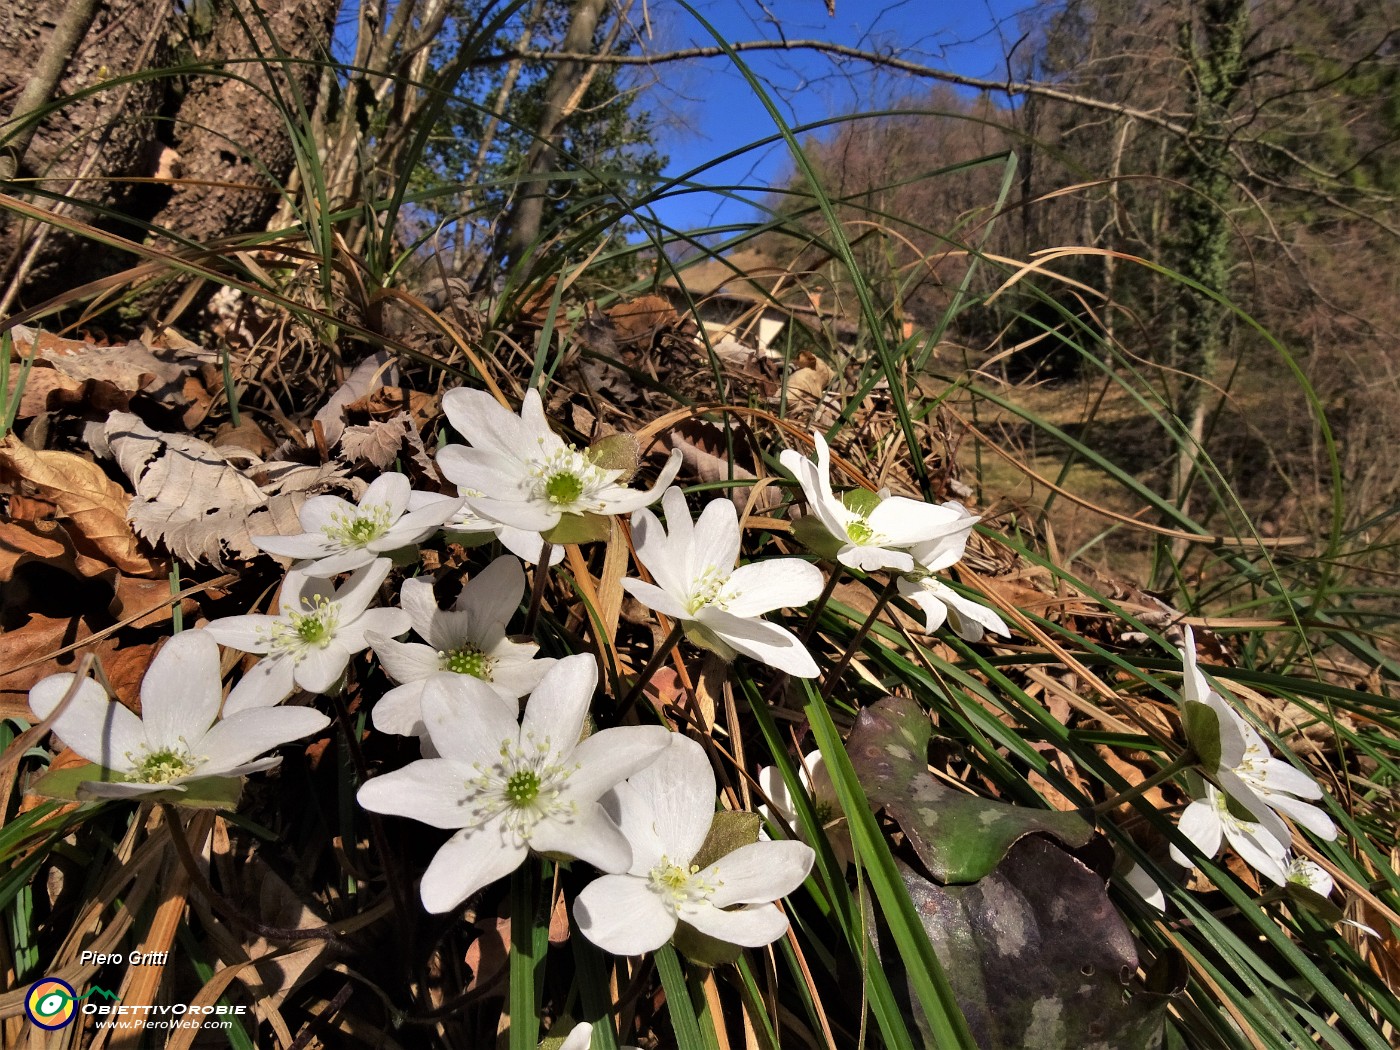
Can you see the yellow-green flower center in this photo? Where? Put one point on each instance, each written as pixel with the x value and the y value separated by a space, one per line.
pixel 467 661
pixel 522 788
pixel 563 488
pixel 163 766
pixel 360 529
pixel 312 629
pixel 706 590
pixel 678 884
pixel 859 532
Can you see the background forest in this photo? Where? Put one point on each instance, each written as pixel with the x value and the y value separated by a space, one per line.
pixel 1131 301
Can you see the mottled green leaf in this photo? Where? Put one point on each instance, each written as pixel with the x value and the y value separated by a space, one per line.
pixel 206 793
pixel 727 833
pixel 616 452
pixel 579 528
pixel 861 501
pixel 812 534
pixel 1038 956
pixel 959 837
pixel 1202 727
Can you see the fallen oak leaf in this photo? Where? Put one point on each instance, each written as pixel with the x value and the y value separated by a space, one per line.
pixel 94 504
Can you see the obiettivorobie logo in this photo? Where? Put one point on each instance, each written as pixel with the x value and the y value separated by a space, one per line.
pixel 52 1004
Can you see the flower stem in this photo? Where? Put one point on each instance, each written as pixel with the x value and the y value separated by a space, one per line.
pixel 820 604
pixel 835 673
pixel 532 615
pixel 1185 760
pixel 663 650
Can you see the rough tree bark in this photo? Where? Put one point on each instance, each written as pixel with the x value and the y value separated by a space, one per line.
pixel 232 130
pixel 81 147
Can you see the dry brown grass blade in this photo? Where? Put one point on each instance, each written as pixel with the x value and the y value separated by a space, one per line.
pixel 588 591
pixel 615 560
pixel 1123 519
pixel 141 985
pixel 209 995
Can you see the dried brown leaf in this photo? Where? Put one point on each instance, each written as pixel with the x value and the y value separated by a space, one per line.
pixel 94 504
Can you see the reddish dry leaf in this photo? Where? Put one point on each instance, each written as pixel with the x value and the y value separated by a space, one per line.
pixel 42 636
pixel 46 542
pixel 94 504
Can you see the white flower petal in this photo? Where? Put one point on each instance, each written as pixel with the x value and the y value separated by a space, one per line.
pixel 875 559
pixel 654 598
pixel 759 872
pixel 714 543
pixel 247 634
pixel 306 545
pixel 1201 824
pixel 320 668
pixel 242 737
pixel 621 915
pixel 467 720
pixel 763 641
pixel 416 598
pixel 320 512
pixel 181 691
pixel 97 728
pixel 356 593
pixel 902 521
pixel 485 423
pixel 612 755
pixel 527 546
pixel 384 622
pixel 750 927
pixel 492 596
pixel 1311 817
pixel 588 834
pixel 678 790
pixel 530 515
pixel 467 862
pixel 400 710
pixel 774 583
pixel 1260 850
pixel 430 790
pixel 404 662
pixel 972 618
pixel 390 490
pixel 341 560
pixel 266 684
pixel 559 704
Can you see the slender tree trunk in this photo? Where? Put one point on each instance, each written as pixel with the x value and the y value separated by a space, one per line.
pixel 565 86
pixel 1201 329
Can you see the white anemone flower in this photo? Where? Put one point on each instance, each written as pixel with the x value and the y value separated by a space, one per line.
pixel 718 605
pixel 178 737
pixel 875 531
pixel 816 781
pixel 527 476
pixel 470 639
pixel 939 602
pixel 580 1037
pixel 666 811
pixel 1310 875
pixel 341 536
pixel 1264 785
pixel 1206 822
pixel 310 641
pixel 506 788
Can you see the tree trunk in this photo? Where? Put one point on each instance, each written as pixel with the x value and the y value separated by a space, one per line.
pixel 84 144
pixel 233 130
pixel 567 82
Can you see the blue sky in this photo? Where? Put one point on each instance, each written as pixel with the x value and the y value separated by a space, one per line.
pixel 705 108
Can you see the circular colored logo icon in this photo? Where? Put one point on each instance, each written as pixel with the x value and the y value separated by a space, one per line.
pixel 51 1003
